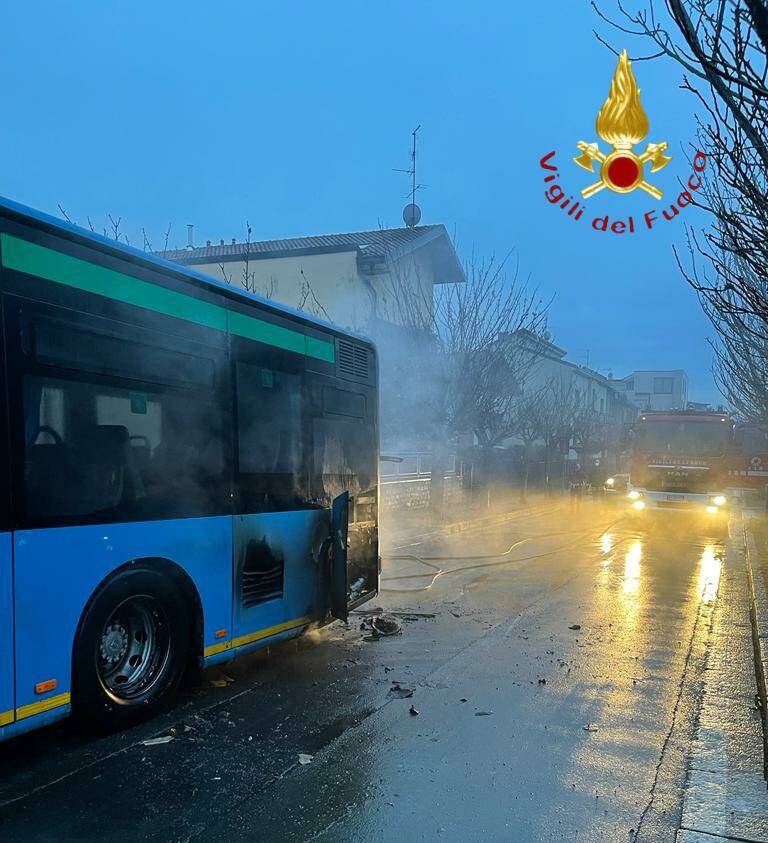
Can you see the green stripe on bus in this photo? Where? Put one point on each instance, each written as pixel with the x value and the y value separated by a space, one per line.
pixel 255 329
pixel 51 265
pixel 321 349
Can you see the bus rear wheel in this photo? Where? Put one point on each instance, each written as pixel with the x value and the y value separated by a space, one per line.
pixel 131 650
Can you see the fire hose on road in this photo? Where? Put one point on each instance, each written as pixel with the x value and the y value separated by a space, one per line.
pixel 498 559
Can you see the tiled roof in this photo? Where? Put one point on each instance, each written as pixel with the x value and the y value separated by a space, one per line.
pixel 379 242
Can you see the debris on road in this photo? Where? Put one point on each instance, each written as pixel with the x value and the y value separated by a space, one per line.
pixel 575 626
pixel 221 681
pixel 483 713
pixel 356 589
pixel 400 691
pixel 413 711
pixel 157 741
pixel 305 758
pixel 381 626
pixel 590 727
pixel 542 681
pixel 398 613
pixel 386 626
pixel 368 612
pixel 463 699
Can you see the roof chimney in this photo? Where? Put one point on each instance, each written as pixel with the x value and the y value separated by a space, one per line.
pixel 207 242
pixel 221 242
pixel 234 241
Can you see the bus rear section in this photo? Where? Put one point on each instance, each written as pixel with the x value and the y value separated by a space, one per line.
pixel 680 463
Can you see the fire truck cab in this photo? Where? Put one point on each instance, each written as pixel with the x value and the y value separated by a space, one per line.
pixel 681 462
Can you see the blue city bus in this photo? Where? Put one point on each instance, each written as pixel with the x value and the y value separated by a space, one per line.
pixel 191 473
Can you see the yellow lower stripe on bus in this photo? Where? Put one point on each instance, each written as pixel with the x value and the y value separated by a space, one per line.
pixel 256 636
pixel 217 648
pixel 6 717
pixel 43 705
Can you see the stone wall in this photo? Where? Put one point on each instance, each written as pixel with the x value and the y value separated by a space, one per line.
pixel 414 493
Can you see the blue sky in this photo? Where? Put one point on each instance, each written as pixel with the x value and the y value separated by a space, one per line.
pixel 293 116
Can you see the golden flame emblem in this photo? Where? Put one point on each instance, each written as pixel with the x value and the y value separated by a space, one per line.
pixel 622 122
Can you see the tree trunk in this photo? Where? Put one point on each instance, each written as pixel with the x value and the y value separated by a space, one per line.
pixel 526 470
pixel 437 478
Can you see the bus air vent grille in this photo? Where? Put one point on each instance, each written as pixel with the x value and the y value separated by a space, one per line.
pixel 259 586
pixel 353 359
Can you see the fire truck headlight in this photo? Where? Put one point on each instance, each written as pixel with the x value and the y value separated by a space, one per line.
pixel 638 505
pixel 719 500
pixel 610 481
pixel 711 509
pixel 634 495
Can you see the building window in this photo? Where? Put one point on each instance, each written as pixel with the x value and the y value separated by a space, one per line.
pixel 629 385
pixel 663 386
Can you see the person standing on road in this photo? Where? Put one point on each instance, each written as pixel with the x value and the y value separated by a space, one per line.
pixel 577 486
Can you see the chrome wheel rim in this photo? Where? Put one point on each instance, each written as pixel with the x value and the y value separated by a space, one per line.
pixel 133 648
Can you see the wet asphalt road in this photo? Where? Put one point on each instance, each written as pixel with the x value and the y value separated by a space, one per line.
pixel 529 729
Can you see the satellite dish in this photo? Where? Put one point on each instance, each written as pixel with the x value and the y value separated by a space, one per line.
pixel 411 215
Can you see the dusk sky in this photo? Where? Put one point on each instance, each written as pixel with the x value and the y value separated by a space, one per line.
pixel 293 116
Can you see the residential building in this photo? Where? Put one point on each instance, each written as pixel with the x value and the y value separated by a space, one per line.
pixel 579 387
pixel 345 278
pixel 665 389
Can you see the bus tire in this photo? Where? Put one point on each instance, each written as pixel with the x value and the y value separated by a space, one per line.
pixel 131 650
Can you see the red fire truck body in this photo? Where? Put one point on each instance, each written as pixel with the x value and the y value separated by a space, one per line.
pixel 681 461
pixel 749 463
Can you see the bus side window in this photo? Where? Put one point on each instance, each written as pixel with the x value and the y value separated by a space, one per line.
pixel 115 428
pixel 96 451
pixel 269 438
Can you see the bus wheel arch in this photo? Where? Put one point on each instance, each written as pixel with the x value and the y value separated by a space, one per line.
pixel 138 635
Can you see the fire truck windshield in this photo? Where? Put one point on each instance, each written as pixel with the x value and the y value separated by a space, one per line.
pixel 704 438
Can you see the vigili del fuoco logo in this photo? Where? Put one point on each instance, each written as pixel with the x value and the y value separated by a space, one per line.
pixel 622 123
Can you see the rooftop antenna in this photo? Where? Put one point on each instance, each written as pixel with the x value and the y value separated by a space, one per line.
pixel 412 212
pixel 190 236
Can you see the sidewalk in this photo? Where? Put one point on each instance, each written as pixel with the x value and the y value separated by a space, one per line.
pixel 725 793
pixel 756 539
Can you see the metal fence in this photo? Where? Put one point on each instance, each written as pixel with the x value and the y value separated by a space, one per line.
pixel 410 465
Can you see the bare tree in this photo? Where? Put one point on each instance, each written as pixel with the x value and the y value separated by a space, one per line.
pixel 530 421
pixel 741 365
pixel 447 368
pixel 560 408
pixel 721 46
pixel 114 231
pixel 308 300
pixel 248 277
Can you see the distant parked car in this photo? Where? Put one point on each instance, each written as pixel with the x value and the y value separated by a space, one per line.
pixel 616 484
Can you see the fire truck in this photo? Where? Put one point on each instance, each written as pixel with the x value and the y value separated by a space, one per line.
pixel 749 464
pixel 682 460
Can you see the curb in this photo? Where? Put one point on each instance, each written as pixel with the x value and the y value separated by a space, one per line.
pixel 758 613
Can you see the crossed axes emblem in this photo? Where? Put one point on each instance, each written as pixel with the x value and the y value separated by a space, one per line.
pixel 622 169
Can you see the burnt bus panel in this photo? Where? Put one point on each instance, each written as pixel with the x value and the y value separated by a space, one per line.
pixel 278 558
pixel 345 459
